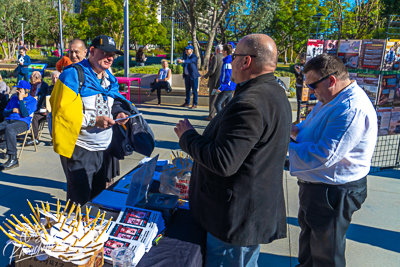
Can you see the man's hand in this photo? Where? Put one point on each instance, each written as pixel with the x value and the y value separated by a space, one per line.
pixel 179 61
pixel 15 110
pixel 218 91
pixel 183 126
pixel 104 122
pixel 21 63
pixel 120 116
pixel 157 80
pixel 294 132
pixel 21 93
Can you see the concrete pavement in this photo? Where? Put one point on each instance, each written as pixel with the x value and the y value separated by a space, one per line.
pixel 372 240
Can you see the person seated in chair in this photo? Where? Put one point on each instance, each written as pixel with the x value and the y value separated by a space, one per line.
pixel 18 114
pixel 40 91
pixel 162 82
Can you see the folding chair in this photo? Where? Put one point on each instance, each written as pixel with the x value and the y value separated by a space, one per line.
pixel 41 126
pixel 26 135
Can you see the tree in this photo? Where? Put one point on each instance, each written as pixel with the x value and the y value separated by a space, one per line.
pixel 290 25
pixel 246 17
pixel 199 16
pixel 356 20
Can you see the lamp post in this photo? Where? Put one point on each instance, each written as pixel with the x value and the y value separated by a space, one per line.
pixel 172 37
pixel 61 34
pixel 126 38
pixel 318 16
pixel 22 27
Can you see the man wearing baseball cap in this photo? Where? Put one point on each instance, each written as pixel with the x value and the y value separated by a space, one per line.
pixel 18 114
pixel 191 76
pixel 83 119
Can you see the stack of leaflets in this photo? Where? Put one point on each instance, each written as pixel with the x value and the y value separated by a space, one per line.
pixel 135 228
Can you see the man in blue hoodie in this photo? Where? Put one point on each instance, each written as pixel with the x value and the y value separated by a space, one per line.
pixel 226 88
pixel 18 114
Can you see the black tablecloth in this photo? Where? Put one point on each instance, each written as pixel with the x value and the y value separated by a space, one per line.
pixel 183 245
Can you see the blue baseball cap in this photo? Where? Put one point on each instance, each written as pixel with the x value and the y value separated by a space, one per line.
pixel 189 47
pixel 23 84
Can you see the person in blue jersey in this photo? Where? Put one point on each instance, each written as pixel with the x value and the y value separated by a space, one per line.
pixel 226 88
pixel 23 62
pixel 18 114
pixel 82 120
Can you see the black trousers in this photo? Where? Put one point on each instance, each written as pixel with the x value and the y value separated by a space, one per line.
pixel 37 118
pixel 158 86
pixel 85 173
pixel 299 92
pixel 211 103
pixel 11 128
pixel 324 216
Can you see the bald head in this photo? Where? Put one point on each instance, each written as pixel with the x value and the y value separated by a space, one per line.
pixel 263 47
pixel 262 57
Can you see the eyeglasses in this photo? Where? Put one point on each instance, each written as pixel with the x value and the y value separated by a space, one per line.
pixel 313 86
pixel 106 54
pixel 241 55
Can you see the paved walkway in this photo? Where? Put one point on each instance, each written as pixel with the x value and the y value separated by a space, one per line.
pixel 373 238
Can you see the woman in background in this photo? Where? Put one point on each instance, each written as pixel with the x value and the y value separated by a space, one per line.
pixel 140 57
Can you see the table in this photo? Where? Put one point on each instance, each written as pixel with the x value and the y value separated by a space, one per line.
pixel 127 81
pixel 184 242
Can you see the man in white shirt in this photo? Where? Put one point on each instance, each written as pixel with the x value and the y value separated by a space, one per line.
pixel 331 157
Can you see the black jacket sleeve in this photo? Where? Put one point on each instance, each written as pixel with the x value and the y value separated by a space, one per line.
pixel 237 135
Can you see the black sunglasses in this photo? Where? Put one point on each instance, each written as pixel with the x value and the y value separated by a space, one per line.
pixel 313 86
pixel 242 55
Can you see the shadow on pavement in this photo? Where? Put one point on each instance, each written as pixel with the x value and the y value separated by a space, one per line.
pixel 178 116
pixel 376 237
pixel 382 238
pixel 167 144
pixel 266 259
pixel 394 174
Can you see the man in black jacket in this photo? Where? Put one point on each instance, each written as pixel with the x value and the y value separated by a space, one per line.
pixel 236 190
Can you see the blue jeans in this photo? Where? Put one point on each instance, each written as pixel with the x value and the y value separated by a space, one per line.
pixel 224 95
pixel 23 75
pixel 222 254
pixel 191 85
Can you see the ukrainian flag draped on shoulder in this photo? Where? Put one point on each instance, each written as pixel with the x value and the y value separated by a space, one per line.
pixel 66 105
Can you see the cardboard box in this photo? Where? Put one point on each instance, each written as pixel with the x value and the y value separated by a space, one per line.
pixel 97 260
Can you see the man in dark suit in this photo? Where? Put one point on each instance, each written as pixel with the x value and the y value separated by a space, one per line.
pixel 214 73
pixel 236 189
pixel 23 62
pixel 191 76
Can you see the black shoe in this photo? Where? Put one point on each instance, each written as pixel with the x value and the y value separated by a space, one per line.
pixel 184 105
pixel 51 143
pixel 11 163
pixel 30 143
pixel 6 156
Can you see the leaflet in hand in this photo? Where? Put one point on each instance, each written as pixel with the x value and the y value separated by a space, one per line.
pixel 131 116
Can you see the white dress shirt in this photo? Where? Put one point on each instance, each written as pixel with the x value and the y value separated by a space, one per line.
pixel 337 140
